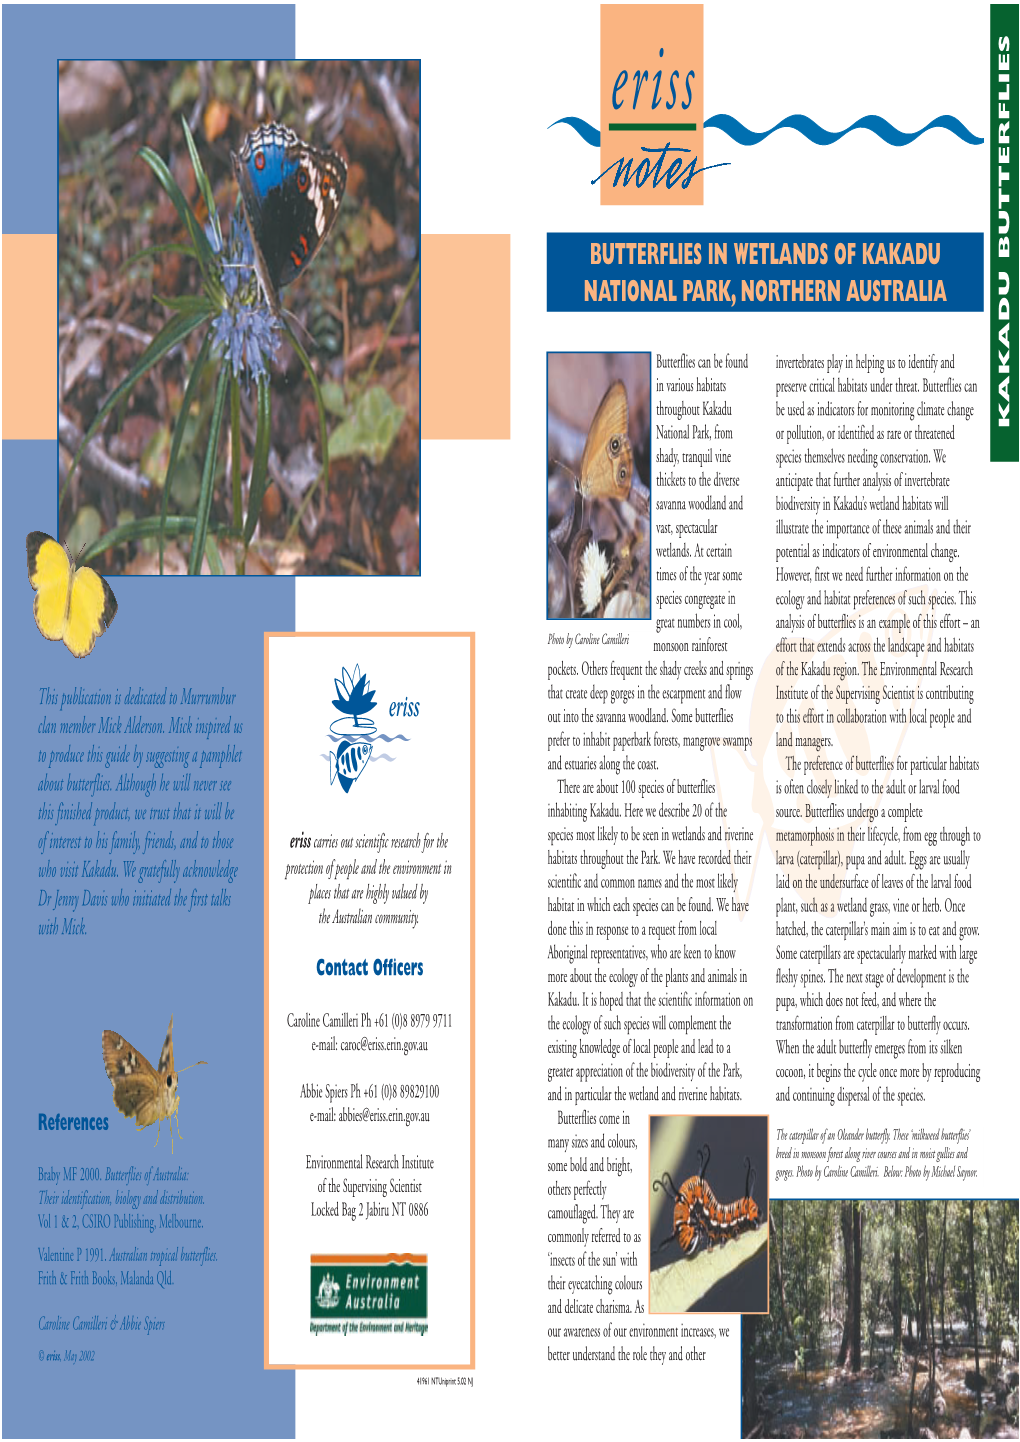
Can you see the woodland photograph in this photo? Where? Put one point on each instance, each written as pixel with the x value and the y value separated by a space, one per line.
pixel 887 1319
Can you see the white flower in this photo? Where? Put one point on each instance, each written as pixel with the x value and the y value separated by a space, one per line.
pixel 594 570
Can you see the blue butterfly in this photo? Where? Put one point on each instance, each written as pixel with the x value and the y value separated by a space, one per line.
pixel 291 194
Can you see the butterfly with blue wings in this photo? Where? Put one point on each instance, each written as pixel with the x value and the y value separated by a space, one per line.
pixel 291 194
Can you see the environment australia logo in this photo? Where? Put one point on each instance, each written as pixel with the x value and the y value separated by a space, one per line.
pixel 388 1292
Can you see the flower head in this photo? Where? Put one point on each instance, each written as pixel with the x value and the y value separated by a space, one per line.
pixel 245 329
pixel 594 569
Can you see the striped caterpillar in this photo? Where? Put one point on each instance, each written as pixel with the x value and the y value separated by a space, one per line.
pixel 698 1216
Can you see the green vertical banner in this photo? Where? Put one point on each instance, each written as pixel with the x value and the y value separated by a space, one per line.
pixel 1002 268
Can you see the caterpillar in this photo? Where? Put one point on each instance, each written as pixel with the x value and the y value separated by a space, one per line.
pixel 698 1216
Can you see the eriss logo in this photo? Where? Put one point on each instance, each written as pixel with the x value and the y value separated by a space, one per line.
pixel 652 105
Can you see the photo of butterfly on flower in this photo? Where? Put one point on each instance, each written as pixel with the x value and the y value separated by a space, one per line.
pixel 599 456
pixel 239 317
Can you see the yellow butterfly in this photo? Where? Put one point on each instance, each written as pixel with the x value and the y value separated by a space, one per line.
pixel 72 604
pixel 607 464
pixel 139 1090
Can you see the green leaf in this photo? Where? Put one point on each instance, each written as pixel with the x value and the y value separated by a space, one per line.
pixel 260 460
pixel 144 529
pixel 681 1284
pixel 185 89
pixel 169 248
pixel 152 462
pixel 212 555
pixel 175 330
pixel 199 239
pixel 179 429
pixel 358 237
pixel 302 356
pixel 334 398
pixel 235 450
pixel 199 305
pixel 205 189
pixel 186 481
pixel 370 429
pixel 85 530
pixel 205 497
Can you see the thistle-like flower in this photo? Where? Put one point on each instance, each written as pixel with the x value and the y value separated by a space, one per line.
pixel 244 331
pixel 594 570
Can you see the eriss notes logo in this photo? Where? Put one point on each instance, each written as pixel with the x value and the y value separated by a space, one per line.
pixel 651 88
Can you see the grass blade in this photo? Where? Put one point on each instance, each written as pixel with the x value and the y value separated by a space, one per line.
pixel 205 494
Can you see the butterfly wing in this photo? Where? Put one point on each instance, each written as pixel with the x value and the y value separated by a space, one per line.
pixel 71 605
pixel 136 1087
pixel 92 608
pixel 166 1055
pixel 291 194
pixel 607 465
pixel 50 570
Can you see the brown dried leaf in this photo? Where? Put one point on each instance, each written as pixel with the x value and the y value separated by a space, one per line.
pixel 216 119
pixel 381 235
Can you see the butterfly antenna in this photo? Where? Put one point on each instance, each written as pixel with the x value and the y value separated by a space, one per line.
pixel 290 314
pixel 573 476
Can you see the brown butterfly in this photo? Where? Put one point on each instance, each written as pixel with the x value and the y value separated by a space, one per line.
pixel 607 464
pixel 139 1090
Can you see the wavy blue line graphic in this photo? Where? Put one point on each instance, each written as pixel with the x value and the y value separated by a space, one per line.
pixel 805 126
pixel 818 136
pixel 584 130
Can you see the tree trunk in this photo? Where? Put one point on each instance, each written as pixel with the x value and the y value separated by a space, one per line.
pixel 858 1219
pixel 943 1247
pixel 778 1254
pixel 923 1300
pixel 913 1385
pixel 897 1284
pixel 928 1279
pixel 804 1354
pixel 748 1385
pixel 846 1227
pixel 973 1299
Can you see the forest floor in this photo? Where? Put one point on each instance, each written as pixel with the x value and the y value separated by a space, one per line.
pixel 876 1402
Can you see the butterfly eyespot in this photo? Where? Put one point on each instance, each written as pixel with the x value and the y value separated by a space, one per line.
pixel 614 445
pixel 302 179
pixel 324 185
pixel 259 160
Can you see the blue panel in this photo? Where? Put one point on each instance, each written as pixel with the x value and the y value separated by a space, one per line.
pixel 202 1374
pixel 35 37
